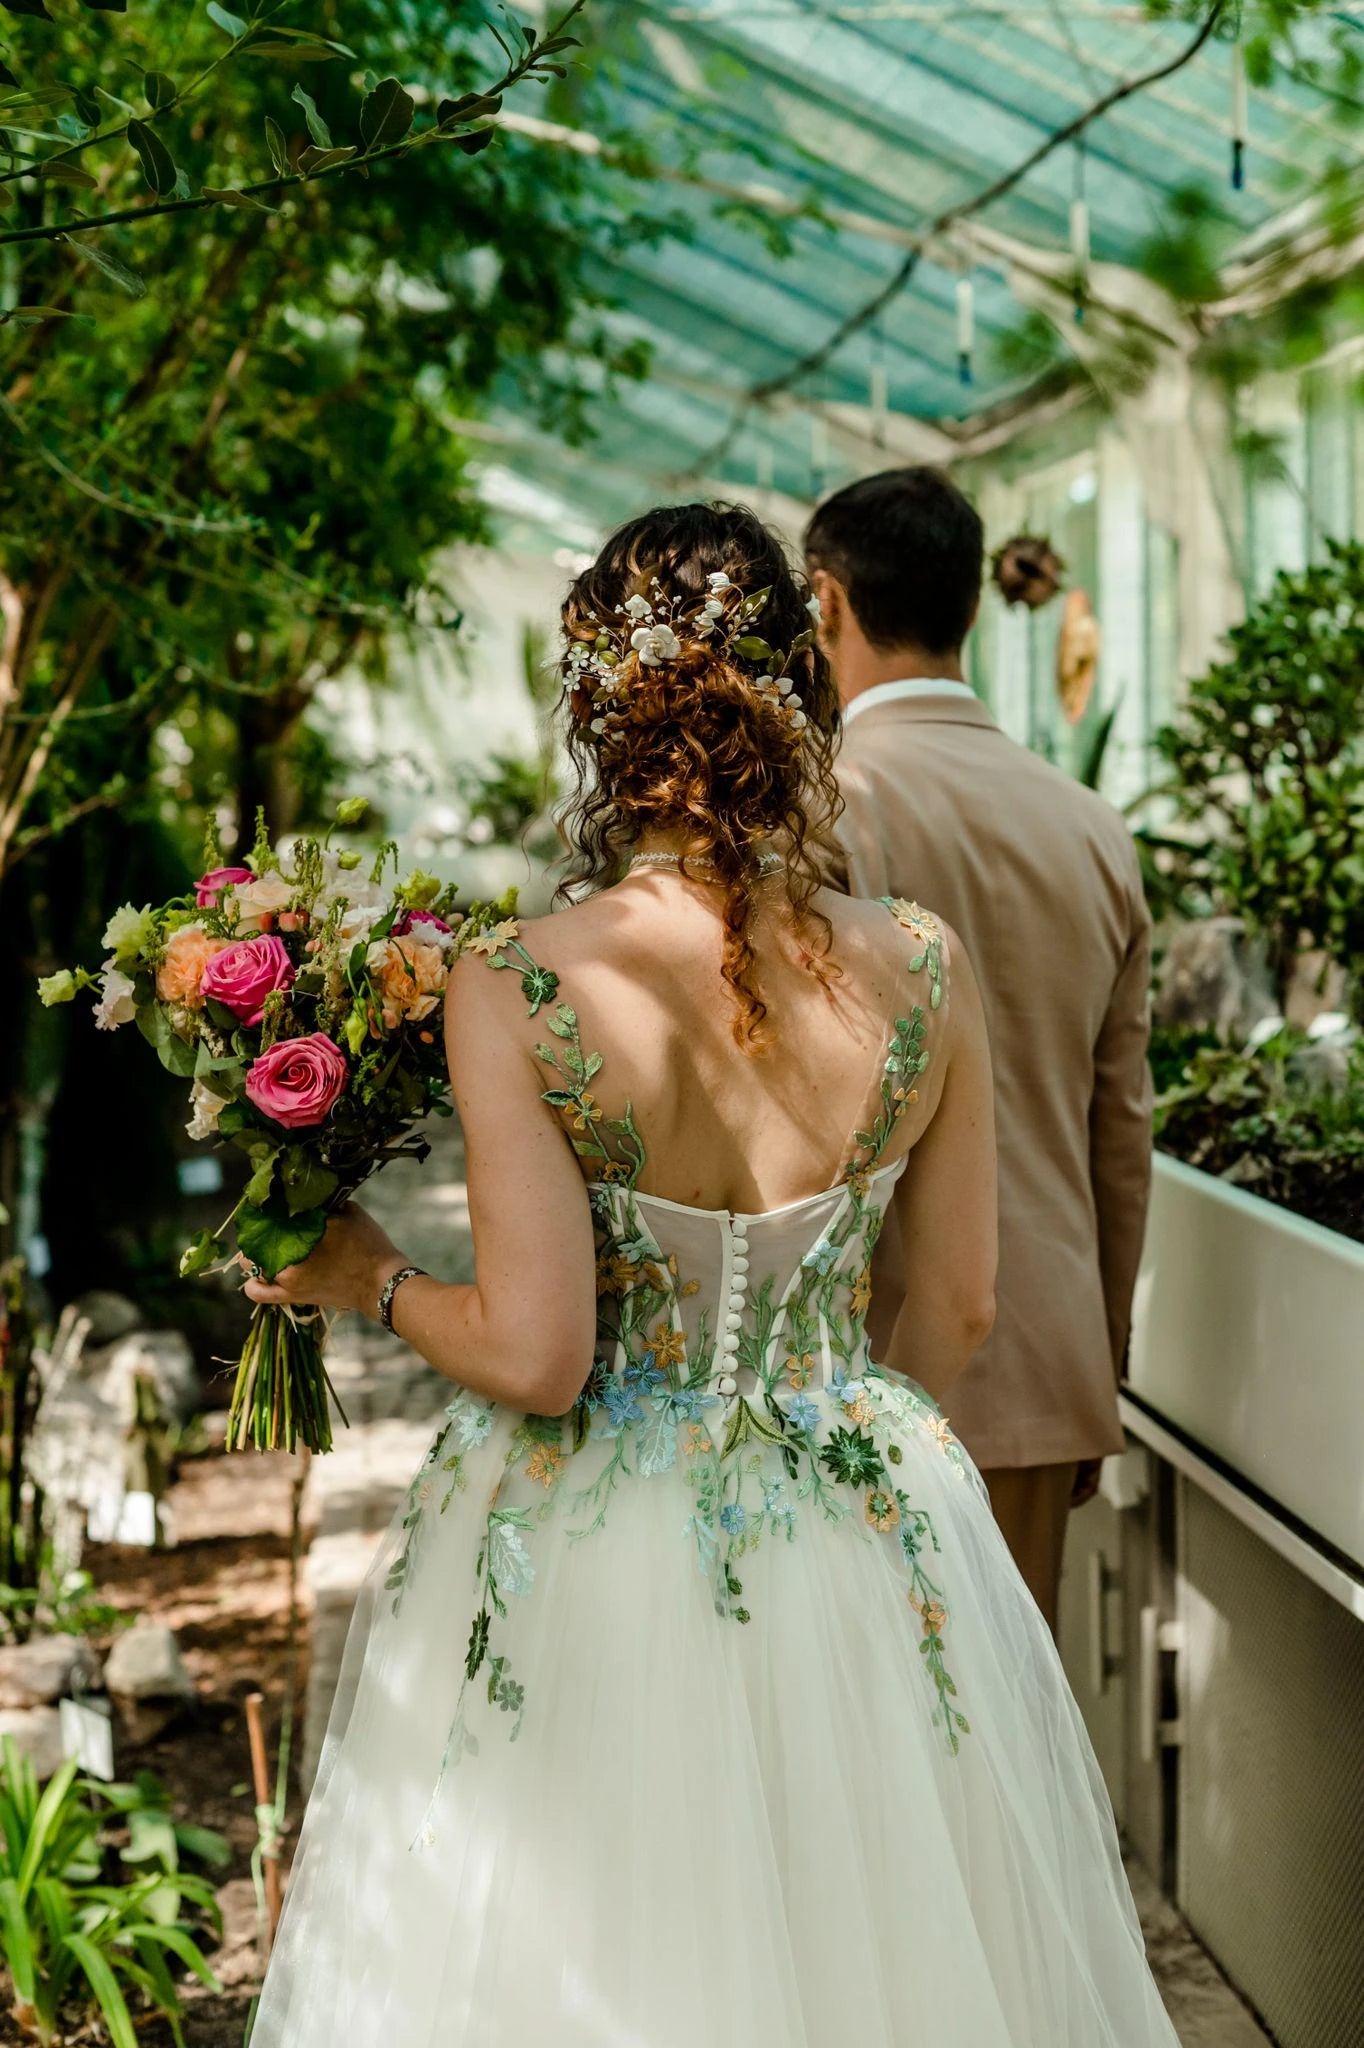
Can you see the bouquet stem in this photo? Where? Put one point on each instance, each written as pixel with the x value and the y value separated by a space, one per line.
pixel 283 1393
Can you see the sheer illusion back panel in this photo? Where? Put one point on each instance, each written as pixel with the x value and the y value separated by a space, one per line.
pixel 676 1102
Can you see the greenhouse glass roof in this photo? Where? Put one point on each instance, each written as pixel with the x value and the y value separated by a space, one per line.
pixel 850 131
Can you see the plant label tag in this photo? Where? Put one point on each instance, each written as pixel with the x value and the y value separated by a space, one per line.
pixel 103 1507
pixel 137 1520
pixel 88 1736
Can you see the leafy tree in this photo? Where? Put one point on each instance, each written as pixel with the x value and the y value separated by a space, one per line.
pixel 1267 762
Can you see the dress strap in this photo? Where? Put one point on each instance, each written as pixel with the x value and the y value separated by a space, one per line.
pixel 907 1054
pixel 610 1147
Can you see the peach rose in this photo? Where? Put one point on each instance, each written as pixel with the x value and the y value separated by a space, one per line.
pixel 188 952
pixel 409 979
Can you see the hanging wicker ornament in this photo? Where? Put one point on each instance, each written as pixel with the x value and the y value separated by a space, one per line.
pixel 1077 655
pixel 1027 570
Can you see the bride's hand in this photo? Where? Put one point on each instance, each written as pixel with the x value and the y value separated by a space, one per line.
pixel 347 1271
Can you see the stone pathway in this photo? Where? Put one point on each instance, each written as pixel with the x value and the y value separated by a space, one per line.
pixel 394 1400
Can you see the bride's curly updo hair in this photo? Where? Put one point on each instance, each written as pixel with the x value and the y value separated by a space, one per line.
pixel 699 704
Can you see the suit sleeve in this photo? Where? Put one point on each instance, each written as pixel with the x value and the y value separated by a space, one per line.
pixel 1120 1130
pixel 860 868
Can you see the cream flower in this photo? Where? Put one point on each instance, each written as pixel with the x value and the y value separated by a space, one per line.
pixel 115 1005
pixel 655 644
pixel 495 938
pixel 637 608
pixel 129 931
pixel 206 1108
pixel 265 896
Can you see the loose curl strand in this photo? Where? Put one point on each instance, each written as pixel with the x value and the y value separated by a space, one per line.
pixel 693 746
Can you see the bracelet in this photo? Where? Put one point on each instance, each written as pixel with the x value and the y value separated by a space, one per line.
pixel 390 1288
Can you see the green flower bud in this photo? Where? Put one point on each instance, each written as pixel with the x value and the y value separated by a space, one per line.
pixel 351 810
pixel 356 1030
pixel 56 988
pixel 348 861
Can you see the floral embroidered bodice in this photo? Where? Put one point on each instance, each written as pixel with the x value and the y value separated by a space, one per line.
pixel 731 1352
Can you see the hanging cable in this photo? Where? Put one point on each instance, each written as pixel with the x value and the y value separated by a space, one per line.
pixel 966 328
pixel 1079 233
pixel 1240 113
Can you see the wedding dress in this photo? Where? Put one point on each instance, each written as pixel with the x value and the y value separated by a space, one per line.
pixel 713 1714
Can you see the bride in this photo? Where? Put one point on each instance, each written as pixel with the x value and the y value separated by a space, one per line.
pixel 694 1700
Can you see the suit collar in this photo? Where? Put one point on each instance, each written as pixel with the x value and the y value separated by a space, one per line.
pixel 942 708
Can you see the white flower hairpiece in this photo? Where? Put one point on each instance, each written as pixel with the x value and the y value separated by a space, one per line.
pixel 648 629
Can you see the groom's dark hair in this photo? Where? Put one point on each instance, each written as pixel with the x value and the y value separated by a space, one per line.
pixel 909 549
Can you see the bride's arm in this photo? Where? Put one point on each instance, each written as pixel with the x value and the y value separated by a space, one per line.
pixel 523 1332
pixel 946 1209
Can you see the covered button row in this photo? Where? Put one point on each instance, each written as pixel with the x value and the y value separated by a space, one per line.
pixel 734 1314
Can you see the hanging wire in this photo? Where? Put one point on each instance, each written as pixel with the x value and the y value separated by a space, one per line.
pixel 1240 112
pixel 878 394
pixel 819 454
pixel 1079 232
pixel 966 328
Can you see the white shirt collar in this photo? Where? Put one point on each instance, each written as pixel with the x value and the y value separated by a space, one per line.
pixel 909 686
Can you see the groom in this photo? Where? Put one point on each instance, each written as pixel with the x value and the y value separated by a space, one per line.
pixel 1040 878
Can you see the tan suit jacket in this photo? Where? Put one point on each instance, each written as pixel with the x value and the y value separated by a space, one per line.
pixel 1040 878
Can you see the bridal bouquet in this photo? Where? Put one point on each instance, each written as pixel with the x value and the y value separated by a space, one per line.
pixel 300 999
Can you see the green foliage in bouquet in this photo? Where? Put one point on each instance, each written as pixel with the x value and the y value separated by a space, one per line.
pixel 81 1937
pixel 1267 770
pixel 301 1000
pixel 1266 1118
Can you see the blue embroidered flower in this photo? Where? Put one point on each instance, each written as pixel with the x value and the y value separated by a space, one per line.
pixel 841 1388
pixel 733 1518
pixel 821 1258
pixel 475 1426
pixel 621 1402
pixel 688 1404
pixel 803 1414
pixel 644 1374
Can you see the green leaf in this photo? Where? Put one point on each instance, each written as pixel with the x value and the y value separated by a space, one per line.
pixel 386 114
pixel 263 1155
pixel 317 127
pixel 17 1942
pixel 112 2009
pixel 307 1183
pixel 227 195
pixel 199 1254
pixel 277 146
pixel 752 648
pixel 158 166
pixel 107 6
pixel 60 172
pixel 231 24
pixel 272 1239
pixel 159 90
pixel 481 139
pixel 174 1054
pixel 322 159
pixel 315 51
pixel 32 7
pixel 468 108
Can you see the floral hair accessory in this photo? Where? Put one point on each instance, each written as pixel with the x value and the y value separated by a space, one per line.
pixel 648 629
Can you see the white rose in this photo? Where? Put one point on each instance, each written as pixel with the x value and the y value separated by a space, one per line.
pixel 115 1005
pixel 266 896
pixel 654 644
pixel 207 1108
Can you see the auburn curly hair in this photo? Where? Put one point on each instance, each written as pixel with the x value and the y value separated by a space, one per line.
pixel 694 745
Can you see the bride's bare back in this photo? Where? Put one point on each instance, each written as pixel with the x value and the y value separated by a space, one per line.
pixel 726 1127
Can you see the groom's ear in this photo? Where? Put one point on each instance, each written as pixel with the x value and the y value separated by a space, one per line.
pixel 833 602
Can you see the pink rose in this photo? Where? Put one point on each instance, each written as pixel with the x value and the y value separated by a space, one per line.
pixel 209 887
pixel 410 917
pixel 242 976
pixel 299 1080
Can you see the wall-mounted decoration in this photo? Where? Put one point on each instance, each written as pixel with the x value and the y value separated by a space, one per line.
pixel 1027 570
pixel 1077 655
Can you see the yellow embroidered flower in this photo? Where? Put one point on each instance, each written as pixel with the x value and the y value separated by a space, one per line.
pixel 861 1292
pixel 695 1439
pixel 690 1287
pixel 614 1171
pixel 669 1346
pixel 940 1430
pixel 543 1464
pixel 588 1110
pixel 915 919
pixel 882 1510
pixel 496 937
pixel 932 1613
pixel 858 1179
pixel 615 1275
pixel 860 1411
pixel 799 1367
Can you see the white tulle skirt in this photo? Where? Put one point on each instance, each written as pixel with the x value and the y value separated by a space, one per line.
pixel 708 1832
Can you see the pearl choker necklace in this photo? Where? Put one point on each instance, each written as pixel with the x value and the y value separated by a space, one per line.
pixel 768 864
